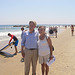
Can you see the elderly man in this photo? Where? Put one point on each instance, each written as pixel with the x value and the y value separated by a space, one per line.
pixel 29 41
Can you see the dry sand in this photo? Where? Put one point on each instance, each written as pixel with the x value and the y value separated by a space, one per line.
pixel 64 53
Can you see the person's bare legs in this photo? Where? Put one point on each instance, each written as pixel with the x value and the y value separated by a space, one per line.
pixel 47 69
pixel 43 68
pixel 72 33
pixel 16 50
pixel 56 34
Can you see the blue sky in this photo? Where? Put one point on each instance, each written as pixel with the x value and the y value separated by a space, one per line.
pixel 42 11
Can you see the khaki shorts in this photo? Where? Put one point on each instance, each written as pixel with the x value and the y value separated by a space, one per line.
pixel 43 59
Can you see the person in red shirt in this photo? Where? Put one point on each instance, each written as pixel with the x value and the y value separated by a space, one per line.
pixel 16 42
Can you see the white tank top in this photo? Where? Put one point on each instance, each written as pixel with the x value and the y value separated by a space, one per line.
pixel 43 47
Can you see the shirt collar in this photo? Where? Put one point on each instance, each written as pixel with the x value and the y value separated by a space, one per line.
pixel 32 32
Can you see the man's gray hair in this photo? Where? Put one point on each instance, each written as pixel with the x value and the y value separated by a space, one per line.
pixel 32 22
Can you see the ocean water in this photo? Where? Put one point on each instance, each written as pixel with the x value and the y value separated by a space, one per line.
pixel 5 29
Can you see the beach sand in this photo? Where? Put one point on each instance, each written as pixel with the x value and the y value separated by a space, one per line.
pixel 64 52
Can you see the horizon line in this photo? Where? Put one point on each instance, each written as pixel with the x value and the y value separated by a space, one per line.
pixel 37 24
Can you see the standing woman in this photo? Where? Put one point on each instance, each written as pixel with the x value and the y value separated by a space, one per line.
pixel 55 30
pixel 45 49
pixel 72 29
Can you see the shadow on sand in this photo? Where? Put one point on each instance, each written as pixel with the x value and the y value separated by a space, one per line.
pixel 6 54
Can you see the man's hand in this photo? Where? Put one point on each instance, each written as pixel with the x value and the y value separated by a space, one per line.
pixel 9 43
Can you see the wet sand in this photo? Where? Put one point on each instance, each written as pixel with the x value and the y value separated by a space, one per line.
pixel 64 52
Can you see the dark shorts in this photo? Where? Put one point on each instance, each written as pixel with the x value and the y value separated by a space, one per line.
pixel 51 31
pixel 55 31
pixel 72 30
pixel 16 43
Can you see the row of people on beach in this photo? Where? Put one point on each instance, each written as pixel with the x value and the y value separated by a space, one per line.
pixel 72 29
pixel 34 45
pixel 53 30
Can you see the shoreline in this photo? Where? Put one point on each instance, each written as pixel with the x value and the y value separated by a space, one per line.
pixel 18 34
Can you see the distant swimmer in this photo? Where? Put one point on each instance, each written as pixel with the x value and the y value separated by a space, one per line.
pixel 72 29
pixel 16 42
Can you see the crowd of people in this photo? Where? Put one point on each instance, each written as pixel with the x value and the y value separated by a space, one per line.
pixel 34 45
